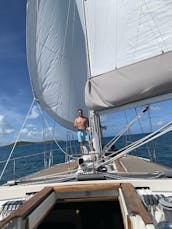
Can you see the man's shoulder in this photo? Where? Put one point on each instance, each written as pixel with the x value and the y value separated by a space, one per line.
pixel 85 118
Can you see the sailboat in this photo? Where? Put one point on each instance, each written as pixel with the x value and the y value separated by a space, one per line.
pixel 119 54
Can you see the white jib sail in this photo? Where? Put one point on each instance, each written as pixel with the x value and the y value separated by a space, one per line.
pixel 56 57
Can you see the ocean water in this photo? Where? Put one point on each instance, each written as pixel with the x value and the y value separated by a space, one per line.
pixel 27 159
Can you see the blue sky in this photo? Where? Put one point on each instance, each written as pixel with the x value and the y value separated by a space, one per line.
pixel 15 90
pixel 16 94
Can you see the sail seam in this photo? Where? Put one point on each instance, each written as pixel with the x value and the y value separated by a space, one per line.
pixel 66 28
pixel 158 29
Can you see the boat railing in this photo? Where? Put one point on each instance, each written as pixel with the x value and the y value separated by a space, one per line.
pixel 46 156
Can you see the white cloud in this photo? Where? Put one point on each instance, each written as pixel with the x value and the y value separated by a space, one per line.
pixel 24 131
pixel 8 110
pixel 8 131
pixel 38 134
pixel 1 119
pixel 28 134
pixel 34 113
pixel 10 117
pixel 34 134
pixel 5 131
pixel 5 128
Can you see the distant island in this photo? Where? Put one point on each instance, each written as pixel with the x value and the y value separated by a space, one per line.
pixel 24 143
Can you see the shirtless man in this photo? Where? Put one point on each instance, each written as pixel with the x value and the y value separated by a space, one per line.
pixel 81 123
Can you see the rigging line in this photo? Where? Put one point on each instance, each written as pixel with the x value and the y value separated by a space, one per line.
pixel 136 145
pixel 142 131
pixel 151 129
pixel 139 141
pixel 74 145
pixel 53 134
pixel 66 159
pixel 116 138
pixel 54 138
pixel 70 145
pixel 44 144
pixel 140 124
pixel 9 157
pixel 158 29
pixel 150 121
pixel 128 132
pixel 51 143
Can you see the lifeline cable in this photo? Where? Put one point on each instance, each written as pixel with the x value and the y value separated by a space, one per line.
pixel 9 157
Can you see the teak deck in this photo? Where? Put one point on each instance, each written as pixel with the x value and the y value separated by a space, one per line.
pixel 125 164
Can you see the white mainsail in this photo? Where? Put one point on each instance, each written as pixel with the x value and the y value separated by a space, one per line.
pixel 56 58
pixel 129 45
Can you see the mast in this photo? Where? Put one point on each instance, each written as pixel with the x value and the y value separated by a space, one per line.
pixel 94 118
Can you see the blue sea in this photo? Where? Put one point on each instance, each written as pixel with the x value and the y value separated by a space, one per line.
pixel 27 159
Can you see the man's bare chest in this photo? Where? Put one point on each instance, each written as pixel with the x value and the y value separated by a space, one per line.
pixel 81 121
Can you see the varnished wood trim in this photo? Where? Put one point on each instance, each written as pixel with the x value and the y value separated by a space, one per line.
pixel 134 204
pixel 28 206
pixel 41 212
pixel 129 222
pixel 86 187
pixel 32 203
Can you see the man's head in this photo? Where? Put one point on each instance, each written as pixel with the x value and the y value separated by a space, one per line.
pixel 80 112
